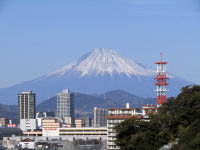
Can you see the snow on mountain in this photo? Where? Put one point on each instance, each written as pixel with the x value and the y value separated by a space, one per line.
pixel 102 61
pixel 99 71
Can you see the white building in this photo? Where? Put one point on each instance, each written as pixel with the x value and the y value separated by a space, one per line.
pixel 100 117
pixel 115 116
pixel 148 109
pixel 28 124
pixel 39 117
pixel 65 107
pixel 50 127
pixel 27 144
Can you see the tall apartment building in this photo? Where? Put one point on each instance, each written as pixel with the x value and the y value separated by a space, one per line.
pixel 115 116
pixel 26 110
pixel 100 117
pixel 65 107
pixel 26 105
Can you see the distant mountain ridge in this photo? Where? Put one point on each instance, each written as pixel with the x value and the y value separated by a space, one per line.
pixel 99 71
pixel 84 103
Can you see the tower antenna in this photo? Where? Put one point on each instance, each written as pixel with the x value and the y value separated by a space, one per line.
pixel 161 82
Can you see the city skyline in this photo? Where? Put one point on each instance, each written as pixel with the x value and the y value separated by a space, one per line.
pixel 45 36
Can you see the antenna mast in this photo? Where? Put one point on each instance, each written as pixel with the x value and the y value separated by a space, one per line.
pixel 161 82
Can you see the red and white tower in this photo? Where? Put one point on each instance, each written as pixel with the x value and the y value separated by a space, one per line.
pixel 161 82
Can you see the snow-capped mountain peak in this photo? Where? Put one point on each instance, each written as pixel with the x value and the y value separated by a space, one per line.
pixel 104 61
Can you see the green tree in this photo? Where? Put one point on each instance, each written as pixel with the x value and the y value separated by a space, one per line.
pixel 178 118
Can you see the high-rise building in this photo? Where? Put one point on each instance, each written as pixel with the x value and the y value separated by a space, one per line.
pixel 26 105
pixel 65 107
pixel 26 110
pixel 100 117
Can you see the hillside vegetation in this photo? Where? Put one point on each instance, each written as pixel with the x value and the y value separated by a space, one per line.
pixel 177 120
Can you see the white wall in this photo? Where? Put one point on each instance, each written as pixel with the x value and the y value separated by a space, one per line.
pixel 28 124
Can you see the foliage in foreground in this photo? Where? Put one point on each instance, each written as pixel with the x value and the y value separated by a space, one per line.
pixel 177 119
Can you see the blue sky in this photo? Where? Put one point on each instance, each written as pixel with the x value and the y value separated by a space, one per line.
pixel 41 36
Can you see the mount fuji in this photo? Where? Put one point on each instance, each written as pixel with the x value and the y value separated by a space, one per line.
pixel 98 71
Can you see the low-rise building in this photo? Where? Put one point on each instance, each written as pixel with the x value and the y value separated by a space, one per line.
pixel 79 123
pixel 50 127
pixel 148 109
pixel 83 131
pixel 27 144
pixel 4 122
pixel 28 124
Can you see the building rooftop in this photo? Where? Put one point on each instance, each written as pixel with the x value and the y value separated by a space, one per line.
pixel 123 109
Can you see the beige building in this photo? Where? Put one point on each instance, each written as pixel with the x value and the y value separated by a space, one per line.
pixel 83 131
pixel 4 122
pixel 79 123
pixel 148 109
pixel 50 127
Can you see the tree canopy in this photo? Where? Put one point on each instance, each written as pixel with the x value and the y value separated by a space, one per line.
pixel 177 120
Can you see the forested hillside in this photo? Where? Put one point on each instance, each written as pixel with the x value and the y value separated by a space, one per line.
pixel 177 121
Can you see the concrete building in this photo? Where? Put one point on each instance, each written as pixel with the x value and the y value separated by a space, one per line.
pixel 100 117
pixel 50 127
pixel 4 122
pixel 28 124
pixel 26 110
pixel 83 131
pixel 115 116
pixel 26 105
pixel 79 123
pixel 65 107
pixel 27 144
pixel 88 122
pixel 148 109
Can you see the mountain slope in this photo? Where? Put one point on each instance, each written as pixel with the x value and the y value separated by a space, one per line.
pixel 85 103
pixel 99 71
pixel 9 111
pixel 104 61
